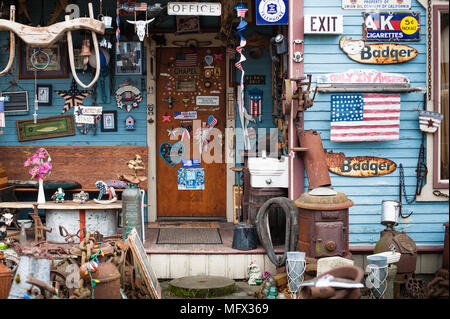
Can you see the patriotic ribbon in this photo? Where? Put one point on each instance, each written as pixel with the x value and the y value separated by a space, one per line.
pixel 118 21
pixel 241 12
pixel 2 114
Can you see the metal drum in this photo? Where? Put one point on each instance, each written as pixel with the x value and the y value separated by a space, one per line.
pixel 390 210
pixel 277 219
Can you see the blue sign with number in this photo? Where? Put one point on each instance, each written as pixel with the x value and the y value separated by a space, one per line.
pixel 272 12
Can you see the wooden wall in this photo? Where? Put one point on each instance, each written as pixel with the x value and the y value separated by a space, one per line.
pixel 82 164
pixel 122 137
pixel 323 55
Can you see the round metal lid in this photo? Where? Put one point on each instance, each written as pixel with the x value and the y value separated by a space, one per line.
pixel 323 200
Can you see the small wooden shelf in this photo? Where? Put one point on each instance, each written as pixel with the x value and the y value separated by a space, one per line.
pixel 66 190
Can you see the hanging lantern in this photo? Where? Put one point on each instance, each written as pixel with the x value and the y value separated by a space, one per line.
pixel 85 52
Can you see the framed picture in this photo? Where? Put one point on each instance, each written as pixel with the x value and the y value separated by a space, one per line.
pixel 128 58
pixel 44 94
pixel 50 62
pixel 188 24
pixel 143 265
pixel 15 103
pixel 46 127
pixel 109 121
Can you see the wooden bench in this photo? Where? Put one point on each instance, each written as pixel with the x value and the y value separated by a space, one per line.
pixel 82 164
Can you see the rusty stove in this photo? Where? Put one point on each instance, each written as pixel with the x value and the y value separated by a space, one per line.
pixel 323 223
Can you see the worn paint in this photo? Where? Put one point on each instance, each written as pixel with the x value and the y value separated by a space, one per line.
pixel 323 56
pixel 380 53
pixel 359 166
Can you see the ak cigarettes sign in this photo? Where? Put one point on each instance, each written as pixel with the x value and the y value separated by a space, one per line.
pixel 399 26
pixel 323 24
pixel 194 8
pixel 380 53
pixel 376 4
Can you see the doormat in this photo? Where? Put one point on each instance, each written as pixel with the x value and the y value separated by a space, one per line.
pixel 189 236
pixel 174 224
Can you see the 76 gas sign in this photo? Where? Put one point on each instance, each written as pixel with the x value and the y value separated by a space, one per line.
pixel 398 26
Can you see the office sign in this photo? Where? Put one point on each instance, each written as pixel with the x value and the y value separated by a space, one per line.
pixel 376 4
pixel 194 8
pixel 272 12
pixel 323 24
pixel 398 26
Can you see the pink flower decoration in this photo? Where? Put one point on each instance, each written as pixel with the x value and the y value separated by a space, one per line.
pixel 35 159
pixel 40 169
pixel 27 162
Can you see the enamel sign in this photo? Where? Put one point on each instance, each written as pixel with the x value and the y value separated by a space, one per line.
pixel 362 76
pixel 359 166
pixel 323 24
pixel 272 12
pixel 194 8
pixel 376 4
pixel 398 26
pixel 380 53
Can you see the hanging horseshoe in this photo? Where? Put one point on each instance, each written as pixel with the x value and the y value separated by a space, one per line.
pixel 96 48
pixel 12 42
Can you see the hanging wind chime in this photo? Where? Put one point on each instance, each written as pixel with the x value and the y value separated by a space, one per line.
pixel 241 12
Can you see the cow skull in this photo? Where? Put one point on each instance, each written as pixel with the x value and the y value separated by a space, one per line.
pixel 140 27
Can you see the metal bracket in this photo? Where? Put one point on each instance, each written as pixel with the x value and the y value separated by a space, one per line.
pixel 297 56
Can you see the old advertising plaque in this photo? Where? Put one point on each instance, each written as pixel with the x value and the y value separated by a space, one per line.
pixel 380 53
pixel 359 166
pixel 388 26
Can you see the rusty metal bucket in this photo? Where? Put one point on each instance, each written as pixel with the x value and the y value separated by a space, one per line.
pixel 109 285
pixel 315 159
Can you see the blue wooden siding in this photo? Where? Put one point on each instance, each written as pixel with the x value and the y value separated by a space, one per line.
pixel 323 55
pixel 119 138
pixel 260 66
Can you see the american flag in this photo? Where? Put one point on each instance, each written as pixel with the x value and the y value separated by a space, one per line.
pixel 186 59
pixel 141 6
pixel 365 117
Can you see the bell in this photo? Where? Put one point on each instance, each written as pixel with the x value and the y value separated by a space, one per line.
pixel 85 48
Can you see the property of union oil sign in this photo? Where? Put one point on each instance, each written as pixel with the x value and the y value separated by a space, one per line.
pixel 359 166
pixel 376 4
pixel 398 26
pixel 379 53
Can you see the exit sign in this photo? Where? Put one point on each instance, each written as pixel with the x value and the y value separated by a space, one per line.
pixel 323 24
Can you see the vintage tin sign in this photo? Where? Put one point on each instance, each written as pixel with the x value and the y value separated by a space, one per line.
pixel 376 4
pixel 323 24
pixel 272 12
pixel 194 8
pixel 359 166
pixel 362 76
pixel 398 26
pixel 380 53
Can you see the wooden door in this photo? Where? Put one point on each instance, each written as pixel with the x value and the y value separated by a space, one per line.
pixel 190 94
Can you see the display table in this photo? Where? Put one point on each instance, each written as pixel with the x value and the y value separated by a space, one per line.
pixel 74 216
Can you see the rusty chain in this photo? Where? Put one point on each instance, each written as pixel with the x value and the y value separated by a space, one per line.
pixel 440 194
pixel 429 50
